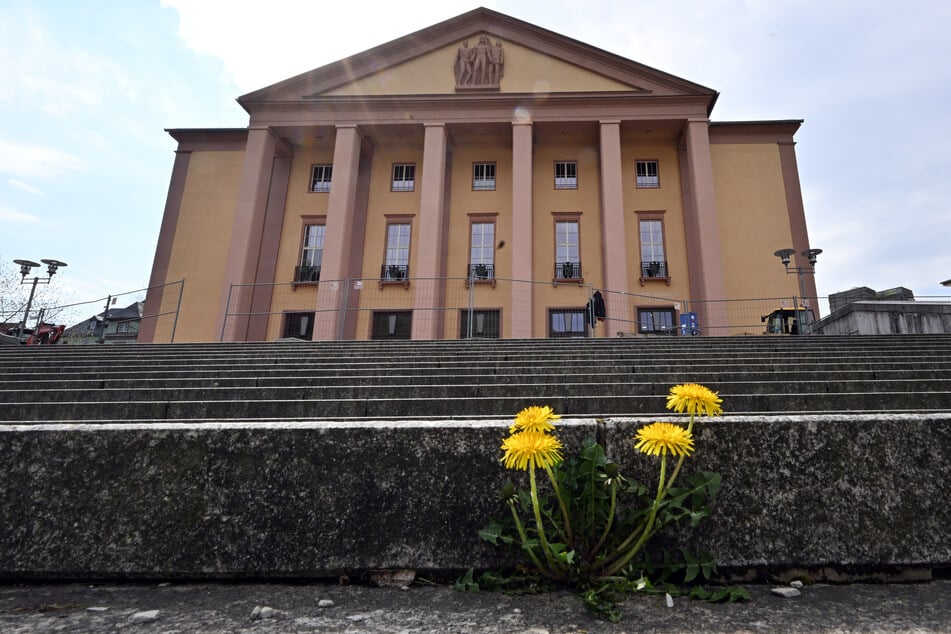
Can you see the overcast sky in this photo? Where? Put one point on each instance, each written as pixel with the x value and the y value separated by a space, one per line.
pixel 88 87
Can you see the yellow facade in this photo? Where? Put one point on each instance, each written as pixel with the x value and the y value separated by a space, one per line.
pixel 696 236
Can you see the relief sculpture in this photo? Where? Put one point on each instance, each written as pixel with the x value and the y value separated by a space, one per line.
pixel 481 66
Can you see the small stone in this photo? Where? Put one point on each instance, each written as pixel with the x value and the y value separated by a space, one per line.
pixel 670 600
pixel 517 610
pixel 325 603
pixel 796 584
pixel 96 608
pixel 145 617
pixel 256 613
pixel 786 593
pixel 164 584
pixel 268 613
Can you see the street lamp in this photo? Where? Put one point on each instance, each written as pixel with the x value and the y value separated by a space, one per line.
pixel 812 256
pixel 25 267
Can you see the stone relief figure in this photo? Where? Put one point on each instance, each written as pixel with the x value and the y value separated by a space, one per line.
pixel 480 66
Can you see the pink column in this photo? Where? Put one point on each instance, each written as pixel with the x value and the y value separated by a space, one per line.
pixel 613 234
pixel 520 316
pixel 707 282
pixel 243 252
pixel 429 277
pixel 331 293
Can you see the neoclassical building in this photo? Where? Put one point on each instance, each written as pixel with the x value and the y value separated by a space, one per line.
pixel 480 177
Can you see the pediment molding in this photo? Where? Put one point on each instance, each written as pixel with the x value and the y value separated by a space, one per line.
pixel 313 85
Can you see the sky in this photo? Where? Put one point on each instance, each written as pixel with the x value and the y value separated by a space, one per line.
pixel 87 89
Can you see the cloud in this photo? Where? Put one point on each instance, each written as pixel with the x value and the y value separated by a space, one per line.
pixel 12 216
pixel 24 186
pixel 35 161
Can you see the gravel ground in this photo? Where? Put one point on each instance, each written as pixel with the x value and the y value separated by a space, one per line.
pixel 222 607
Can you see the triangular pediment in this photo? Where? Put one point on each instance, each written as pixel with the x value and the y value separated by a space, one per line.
pixel 479 51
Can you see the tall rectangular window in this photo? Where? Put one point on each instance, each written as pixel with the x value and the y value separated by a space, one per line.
pixel 392 325
pixel 299 325
pixel 485 324
pixel 653 263
pixel 658 321
pixel 396 264
pixel 312 254
pixel 320 178
pixel 566 175
pixel 483 176
pixel 404 177
pixel 482 250
pixel 646 174
pixel 566 323
pixel 567 255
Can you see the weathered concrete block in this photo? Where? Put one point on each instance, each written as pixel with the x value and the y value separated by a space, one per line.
pixel 858 490
pixel 311 499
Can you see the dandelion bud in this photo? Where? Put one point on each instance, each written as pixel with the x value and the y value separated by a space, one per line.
pixel 611 470
pixel 508 492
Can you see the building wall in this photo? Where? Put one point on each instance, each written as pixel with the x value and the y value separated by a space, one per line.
pixel 202 237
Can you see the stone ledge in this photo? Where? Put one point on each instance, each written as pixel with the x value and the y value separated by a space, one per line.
pixel 311 499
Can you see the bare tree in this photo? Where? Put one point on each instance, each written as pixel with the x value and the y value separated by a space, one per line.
pixel 15 292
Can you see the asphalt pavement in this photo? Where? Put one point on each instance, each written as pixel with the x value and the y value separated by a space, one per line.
pixel 431 607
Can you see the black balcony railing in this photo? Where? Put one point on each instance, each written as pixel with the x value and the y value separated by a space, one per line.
pixel 568 270
pixel 482 271
pixel 394 272
pixel 654 269
pixel 307 274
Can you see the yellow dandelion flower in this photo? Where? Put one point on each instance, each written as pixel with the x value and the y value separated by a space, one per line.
pixel 694 399
pixel 534 418
pixel 663 438
pixel 531 447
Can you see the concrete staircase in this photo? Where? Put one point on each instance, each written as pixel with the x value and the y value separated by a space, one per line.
pixel 303 460
pixel 420 380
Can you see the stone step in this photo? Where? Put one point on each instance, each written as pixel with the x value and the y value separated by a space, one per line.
pixel 441 390
pixel 410 407
pixel 96 381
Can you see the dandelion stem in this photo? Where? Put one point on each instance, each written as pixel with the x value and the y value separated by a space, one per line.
pixel 526 547
pixel 623 561
pixel 607 527
pixel 546 548
pixel 680 461
pixel 561 503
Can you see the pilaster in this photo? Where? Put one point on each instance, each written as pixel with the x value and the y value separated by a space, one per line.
pixel 520 325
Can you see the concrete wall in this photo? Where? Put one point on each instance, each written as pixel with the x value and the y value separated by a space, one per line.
pixel 888 318
pixel 313 499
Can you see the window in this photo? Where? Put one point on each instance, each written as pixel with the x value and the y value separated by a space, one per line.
pixel 566 175
pixel 392 325
pixel 404 177
pixel 646 172
pixel 485 324
pixel 653 263
pixel 396 265
pixel 482 251
pixel 483 176
pixel 567 259
pixel 122 326
pixel 320 178
pixel 566 323
pixel 299 325
pixel 656 321
pixel 312 254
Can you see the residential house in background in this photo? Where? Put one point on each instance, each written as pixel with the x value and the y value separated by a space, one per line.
pixel 115 325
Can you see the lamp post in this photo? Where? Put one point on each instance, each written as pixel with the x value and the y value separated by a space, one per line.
pixel 811 255
pixel 25 267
